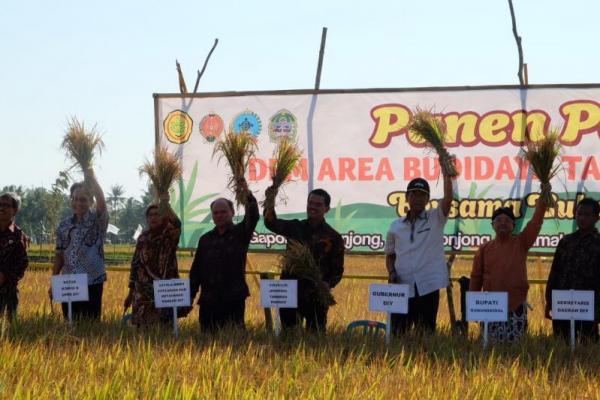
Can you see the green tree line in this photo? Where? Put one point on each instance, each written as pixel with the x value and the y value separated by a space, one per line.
pixel 42 209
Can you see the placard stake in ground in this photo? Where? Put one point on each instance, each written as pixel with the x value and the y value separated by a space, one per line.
pixel 487 307
pixel 68 288
pixel 390 298
pixel 172 293
pixel 282 293
pixel 573 305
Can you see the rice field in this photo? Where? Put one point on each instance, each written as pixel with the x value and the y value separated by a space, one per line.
pixel 42 357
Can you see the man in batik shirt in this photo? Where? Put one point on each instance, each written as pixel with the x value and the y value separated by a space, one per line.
pixel 326 246
pixel 13 254
pixel 576 266
pixel 80 244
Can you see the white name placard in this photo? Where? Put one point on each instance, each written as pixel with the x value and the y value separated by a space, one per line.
pixel 487 306
pixel 69 288
pixel 573 304
pixel 171 293
pixel 388 298
pixel 282 293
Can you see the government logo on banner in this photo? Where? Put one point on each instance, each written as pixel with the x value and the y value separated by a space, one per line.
pixel 178 126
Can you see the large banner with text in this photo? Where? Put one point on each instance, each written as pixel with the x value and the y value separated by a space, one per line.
pixel 357 147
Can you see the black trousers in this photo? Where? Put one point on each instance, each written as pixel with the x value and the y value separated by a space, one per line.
pixel 422 314
pixel 216 315
pixel 584 330
pixel 8 304
pixel 91 309
pixel 314 314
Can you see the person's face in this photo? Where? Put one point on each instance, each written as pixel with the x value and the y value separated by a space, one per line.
pixel 585 218
pixel 222 215
pixel 315 207
pixel 80 201
pixel 417 200
pixel 7 211
pixel 503 225
pixel 153 219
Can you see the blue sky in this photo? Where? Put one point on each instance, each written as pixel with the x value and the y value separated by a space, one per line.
pixel 101 61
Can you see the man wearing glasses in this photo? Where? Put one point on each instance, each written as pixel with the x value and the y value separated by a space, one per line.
pixel 80 244
pixel 13 254
pixel 414 251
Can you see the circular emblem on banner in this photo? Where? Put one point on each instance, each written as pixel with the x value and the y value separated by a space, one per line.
pixel 247 121
pixel 282 124
pixel 178 126
pixel 211 126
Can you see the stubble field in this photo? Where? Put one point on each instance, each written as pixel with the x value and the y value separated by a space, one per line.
pixel 42 357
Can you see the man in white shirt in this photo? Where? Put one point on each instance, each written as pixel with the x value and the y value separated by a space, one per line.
pixel 415 255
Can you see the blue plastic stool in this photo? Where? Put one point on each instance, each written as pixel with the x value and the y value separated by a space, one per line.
pixel 369 327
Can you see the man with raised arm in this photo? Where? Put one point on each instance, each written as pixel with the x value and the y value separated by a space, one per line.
pixel 326 246
pixel 414 251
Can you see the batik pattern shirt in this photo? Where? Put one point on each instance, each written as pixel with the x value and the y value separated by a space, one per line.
pixel 82 245
pixel 576 266
pixel 326 246
pixel 13 257
pixel 155 257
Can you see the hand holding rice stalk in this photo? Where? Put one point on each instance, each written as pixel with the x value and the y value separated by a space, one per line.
pixel 163 171
pixel 433 132
pixel 82 145
pixel 237 149
pixel 286 156
pixel 298 262
pixel 543 156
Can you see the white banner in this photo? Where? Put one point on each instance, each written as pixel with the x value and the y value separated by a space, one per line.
pixel 357 147
pixel 573 304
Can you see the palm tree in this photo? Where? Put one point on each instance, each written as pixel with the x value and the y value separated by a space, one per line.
pixel 115 199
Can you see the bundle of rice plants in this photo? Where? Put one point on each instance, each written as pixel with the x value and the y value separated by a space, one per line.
pixel 237 149
pixel 432 131
pixel 286 156
pixel 543 155
pixel 298 262
pixel 162 171
pixel 82 145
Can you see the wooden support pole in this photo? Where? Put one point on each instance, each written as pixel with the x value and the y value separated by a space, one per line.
pixel 201 72
pixel 449 294
pixel 268 316
pixel 321 55
pixel 518 40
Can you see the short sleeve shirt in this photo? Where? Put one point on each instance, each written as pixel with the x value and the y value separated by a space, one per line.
pixel 82 245
pixel 419 250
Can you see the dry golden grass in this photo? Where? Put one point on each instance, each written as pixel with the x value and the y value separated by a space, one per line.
pixel 42 357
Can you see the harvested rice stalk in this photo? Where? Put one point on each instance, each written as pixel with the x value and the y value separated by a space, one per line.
pixel 162 171
pixel 432 131
pixel 82 145
pixel 298 262
pixel 286 156
pixel 237 149
pixel 543 155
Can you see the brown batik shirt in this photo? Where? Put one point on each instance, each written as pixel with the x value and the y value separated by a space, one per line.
pixel 325 244
pixel 13 257
pixel 576 265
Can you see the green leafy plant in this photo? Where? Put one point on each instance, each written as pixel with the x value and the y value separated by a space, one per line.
pixel 188 210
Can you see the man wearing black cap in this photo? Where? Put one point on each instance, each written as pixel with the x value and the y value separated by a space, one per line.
pixel 415 255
